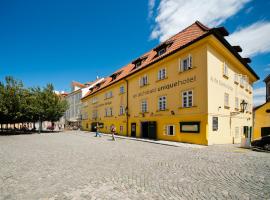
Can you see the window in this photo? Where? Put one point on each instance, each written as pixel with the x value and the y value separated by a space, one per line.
pixel 161 51
pixel 138 64
pixel 190 127
pixel 108 95
pixel 122 110
pixel 242 80
pixel 122 89
pixel 108 112
pixel 94 100
pixel 186 64
pixel 144 106
pixel 215 123
pixel 187 99
pixel 94 114
pixel 162 103
pixel 170 130
pixel 162 74
pixel 226 100
pixel 237 103
pixel 225 69
pixel 236 78
pixel 144 80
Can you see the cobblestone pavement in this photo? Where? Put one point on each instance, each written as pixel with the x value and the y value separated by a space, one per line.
pixel 77 165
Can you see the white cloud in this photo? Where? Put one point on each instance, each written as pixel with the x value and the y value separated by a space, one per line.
pixel 254 39
pixel 175 15
pixel 151 5
pixel 259 96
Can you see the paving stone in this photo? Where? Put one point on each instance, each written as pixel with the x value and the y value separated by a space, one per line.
pixel 76 165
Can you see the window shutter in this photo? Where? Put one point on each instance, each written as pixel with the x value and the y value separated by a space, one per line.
pixel 180 65
pixel 164 130
pixel 189 61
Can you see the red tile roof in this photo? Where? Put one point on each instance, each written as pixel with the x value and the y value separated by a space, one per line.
pixel 75 83
pixel 194 32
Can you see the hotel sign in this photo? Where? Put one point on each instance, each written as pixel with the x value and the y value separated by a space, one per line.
pixel 166 86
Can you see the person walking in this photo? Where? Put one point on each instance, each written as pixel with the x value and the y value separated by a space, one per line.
pixel 97 132
pixel 113 130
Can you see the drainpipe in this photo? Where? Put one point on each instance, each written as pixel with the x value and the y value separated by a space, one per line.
pixel 127 114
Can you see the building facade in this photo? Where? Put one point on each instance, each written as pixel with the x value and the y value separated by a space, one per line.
pixel 262 115
pixel 188 89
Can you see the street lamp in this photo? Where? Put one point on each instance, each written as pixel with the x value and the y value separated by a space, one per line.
pixel 243 106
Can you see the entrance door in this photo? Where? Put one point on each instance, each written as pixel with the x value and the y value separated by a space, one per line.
pixel 149 129
pixel 144 129
pixel 133 129
pixel 152 130
pixel 94 126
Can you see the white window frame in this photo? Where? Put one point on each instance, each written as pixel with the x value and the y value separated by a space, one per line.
pixel 188 60
pixel 186 96
pixel 236 78
pixel 242 80
pixel 143 80
pixel 168 130
pixel 162 103
pixel 122 89
pixel 94 100
pixel 122 110
pixel 236 102
pixel 162 73
pixel 226 97
pixel 225 69
pixel 144 106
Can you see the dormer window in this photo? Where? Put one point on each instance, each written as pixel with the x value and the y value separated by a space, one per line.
pixel 161 51
pixel 138 64
pixel 115 75
pixel 162 48
pixel 139 61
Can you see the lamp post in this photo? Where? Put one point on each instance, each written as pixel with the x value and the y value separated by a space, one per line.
pixel 243 106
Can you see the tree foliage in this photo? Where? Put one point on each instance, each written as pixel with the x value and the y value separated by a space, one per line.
pixel 19 104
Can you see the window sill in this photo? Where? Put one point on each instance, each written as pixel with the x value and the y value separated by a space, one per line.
pixel 227 107
pixel 162 110
pixel 162 79
pixel 225 76
pixel 109 116
pixel 121 115
pixel 187 107
pixel 141 86
pixel 170 135
pixel 143 112
pixel 190 69
pixel 108 98
pixel 121 93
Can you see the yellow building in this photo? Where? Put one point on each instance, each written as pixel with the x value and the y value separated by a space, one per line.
pixel 262 115
pixel 188 89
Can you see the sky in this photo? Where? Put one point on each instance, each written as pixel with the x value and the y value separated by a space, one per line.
pixel 58 41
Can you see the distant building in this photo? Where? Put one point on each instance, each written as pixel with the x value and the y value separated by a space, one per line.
pixel 73 115
pixel 262 114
